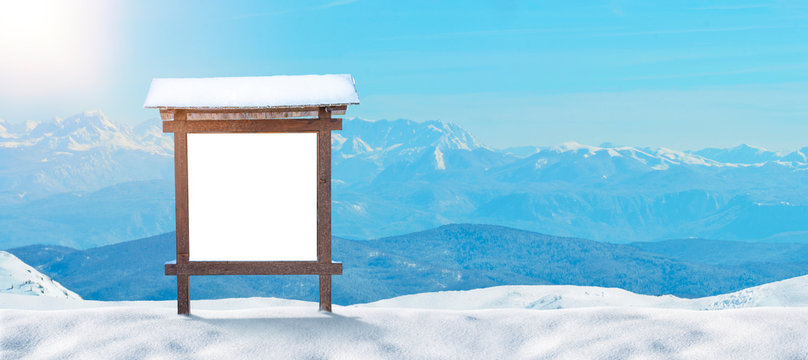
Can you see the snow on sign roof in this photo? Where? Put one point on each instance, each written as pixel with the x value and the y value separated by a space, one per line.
pixel 253 92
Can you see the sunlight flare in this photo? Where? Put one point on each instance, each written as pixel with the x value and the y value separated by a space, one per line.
pixel 49 46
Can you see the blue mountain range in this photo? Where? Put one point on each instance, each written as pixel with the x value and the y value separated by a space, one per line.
pixel 85 181
pixel 451 257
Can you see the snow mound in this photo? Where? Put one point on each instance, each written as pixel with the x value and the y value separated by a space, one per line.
pixel 786 293
pixel 789 292
pixel 17 277
pixel 153 330
pixel 538 297
pixel 491 323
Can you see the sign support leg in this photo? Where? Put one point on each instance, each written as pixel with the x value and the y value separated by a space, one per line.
pixel 324 204
pixel 183 295
pixel 181 202
pixel 325 293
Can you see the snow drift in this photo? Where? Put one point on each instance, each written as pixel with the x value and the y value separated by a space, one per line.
pixel 493 323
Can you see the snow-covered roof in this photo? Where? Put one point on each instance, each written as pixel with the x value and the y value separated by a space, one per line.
pixel 253 92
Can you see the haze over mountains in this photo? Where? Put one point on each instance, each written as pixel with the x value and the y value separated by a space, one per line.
pixel 85 181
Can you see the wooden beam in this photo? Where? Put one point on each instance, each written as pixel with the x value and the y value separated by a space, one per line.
pixel 325 293
pixel 181 215
pixel 263 115
pixel 183 295
pixel 324 204
pixel 250 113
pixel 324 188
pixel 166 114
pixel 251 126
pixel 333 107
pixel 253 268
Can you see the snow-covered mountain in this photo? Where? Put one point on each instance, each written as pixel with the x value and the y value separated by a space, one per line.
pixel 394 177
pixel 741 154
pixel 363 149
pixel 616 194
pixel 81 153
pixel 17 277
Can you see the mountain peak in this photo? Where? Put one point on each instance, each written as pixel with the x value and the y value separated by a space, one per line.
pixel 87 131
pixel 452 136
pixel 741 154
pixel 4 131
pixel 747 147
pixel 94 118
pixel 363 136
pixel 572 146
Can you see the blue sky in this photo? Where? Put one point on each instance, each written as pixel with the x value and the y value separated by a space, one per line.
pixel 683 74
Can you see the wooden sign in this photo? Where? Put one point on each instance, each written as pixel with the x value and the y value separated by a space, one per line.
pixel 252 175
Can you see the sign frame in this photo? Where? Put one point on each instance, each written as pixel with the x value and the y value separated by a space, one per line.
pixel 314 119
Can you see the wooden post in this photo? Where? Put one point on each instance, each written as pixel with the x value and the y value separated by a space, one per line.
pixel 181 198
pixel 324 205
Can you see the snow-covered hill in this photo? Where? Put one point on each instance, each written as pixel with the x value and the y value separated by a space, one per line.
pixel 787 293
pixel 17 277
pixel 494 323
pixel 537 297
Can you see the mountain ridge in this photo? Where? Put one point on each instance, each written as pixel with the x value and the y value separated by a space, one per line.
pixel 401 176
pixel 451 257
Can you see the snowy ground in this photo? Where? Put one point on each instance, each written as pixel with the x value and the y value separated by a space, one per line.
pixel 786 293
pixel 496 323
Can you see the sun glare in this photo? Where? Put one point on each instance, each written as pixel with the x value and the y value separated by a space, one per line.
pixel 48 46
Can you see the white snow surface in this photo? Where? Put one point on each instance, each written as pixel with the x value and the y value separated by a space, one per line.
pixel 494 323
pixel 252 92
pixel 17 277
pixel 273 329
pixel 786 293
pixel 439 163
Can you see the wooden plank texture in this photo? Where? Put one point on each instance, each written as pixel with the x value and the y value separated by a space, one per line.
pixel 324 205
pixel 254 268
pixel 181 215
pixel 249 113
pixel 325 293
pixel 324 188
pixel 252 126
pixel 167 114
pixel 183 295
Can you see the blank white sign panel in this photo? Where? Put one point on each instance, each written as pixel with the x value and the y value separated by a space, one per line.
pixel 252 197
